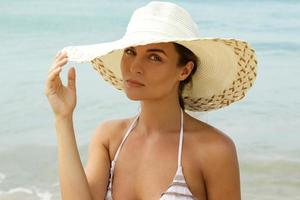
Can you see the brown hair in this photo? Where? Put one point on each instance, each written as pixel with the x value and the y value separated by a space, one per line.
pixel 185 55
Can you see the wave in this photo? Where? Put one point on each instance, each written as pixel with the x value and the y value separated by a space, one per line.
pixel 2 177
pixel 25 193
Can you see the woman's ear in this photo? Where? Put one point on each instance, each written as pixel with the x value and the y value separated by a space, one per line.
pixel 186 70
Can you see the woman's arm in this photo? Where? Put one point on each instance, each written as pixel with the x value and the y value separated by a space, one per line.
pixel 222 176
pixel 73 181
pixel 98 164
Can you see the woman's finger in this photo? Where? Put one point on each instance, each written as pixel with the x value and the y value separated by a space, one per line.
pixel 54 64
pixel 57 54
pixel 58 64
pixel 61 56
pixel 62 62
pixel 49 83
pixel 72 78
pixel 54 74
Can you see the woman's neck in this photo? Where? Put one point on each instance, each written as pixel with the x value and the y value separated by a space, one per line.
pixel 159 116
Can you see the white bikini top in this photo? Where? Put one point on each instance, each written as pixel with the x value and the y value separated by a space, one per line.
pixel 177 190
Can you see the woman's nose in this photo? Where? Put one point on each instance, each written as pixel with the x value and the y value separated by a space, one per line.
pixel 136 66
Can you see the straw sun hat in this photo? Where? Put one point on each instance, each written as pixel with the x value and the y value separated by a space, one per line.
pixel 227 66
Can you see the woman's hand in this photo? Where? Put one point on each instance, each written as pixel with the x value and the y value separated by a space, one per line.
pixel 61 98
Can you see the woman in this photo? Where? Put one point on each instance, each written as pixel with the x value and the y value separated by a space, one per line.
pixel 162 152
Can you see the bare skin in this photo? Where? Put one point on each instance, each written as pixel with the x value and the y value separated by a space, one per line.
pixel 148 160
pixel 73 181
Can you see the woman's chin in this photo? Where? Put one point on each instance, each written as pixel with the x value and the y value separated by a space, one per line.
pixel 133 97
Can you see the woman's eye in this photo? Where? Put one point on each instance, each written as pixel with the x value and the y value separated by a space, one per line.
pixel 129 51
pixel 155 57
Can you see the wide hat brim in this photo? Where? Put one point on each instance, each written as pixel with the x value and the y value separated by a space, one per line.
pixel 226 72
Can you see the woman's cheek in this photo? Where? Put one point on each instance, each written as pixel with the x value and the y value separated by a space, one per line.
pixel 163 85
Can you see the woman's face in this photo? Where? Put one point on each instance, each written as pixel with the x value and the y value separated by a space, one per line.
pixel 155 67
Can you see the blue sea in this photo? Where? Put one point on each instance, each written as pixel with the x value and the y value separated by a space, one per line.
pixel 265 125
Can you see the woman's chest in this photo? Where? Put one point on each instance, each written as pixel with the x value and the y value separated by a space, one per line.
pixel 145 171
pixel 151 182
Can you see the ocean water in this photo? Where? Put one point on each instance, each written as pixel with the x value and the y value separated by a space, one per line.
pixel 264 125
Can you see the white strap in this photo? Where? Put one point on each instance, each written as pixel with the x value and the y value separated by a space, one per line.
pixel 124 138
pixel 133 125
pixel 180 139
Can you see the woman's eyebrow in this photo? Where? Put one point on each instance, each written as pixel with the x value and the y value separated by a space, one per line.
pixel 157 50
pixel 132 48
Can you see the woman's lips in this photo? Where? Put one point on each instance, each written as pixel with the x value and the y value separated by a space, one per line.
pixel 134 83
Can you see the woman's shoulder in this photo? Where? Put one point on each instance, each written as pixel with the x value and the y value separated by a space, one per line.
pixel 109 131
pixel 112 127
pixel 207 130
pixel 210 141
pixel 214 155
